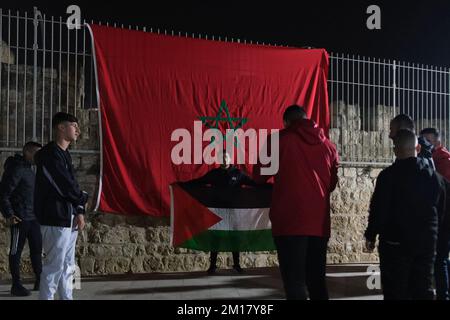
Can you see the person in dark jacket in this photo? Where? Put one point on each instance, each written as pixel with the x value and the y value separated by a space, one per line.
pixel 16 205
pixel 441 158
pixel 405 209
pixel 300 209
pixel 405 122
pixel 226 176
pixel 60 207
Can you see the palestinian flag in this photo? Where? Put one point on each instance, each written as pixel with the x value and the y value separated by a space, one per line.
pixel 221 219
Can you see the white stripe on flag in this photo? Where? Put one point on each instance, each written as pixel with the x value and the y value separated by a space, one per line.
pixel 242 219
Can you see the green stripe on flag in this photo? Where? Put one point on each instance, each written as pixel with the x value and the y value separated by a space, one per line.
pixel 229 241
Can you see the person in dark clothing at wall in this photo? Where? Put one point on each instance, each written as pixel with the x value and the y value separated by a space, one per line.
pixel 441 158
pixel 404 212
pixel 405 122
pixel 226 176
pixel 16 205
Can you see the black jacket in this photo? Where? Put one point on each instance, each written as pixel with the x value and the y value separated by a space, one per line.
pixel 17 188
pixel 407 204
pixel 426 152
pixel 57 195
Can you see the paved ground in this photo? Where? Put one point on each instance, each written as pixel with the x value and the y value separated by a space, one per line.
pixel 344 282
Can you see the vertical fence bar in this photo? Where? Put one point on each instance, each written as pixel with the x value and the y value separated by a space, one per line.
pixel 401 86
pixel 60 68
pixel 43 83
pixel 386 108
pixel 408 90
pixel 444 107
pixel 416 85
pixel 8 80
pixel 91 64
pixel 330 99
pixel 1 67
pixel 17 81
pixel 344 102
pixel 84 65
pixel 374 115
pixel 422 114
pixel 50 129
pixel 346 80
pixel 379 86
pixel 25 80
pixel 359 106
pixel 68 71
pixel 339 103
pixel 35 48
pixel 442 123
pixel 364 64
pixel 436 92
pixel 75 85
pixel 356 105
pixel 394 86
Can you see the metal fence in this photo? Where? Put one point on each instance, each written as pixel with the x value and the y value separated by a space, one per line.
pixel 46 68
pixel 366 93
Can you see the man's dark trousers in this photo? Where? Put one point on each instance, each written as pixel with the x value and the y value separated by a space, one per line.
pixel 404 275
pixel 302 262
pixel 25 230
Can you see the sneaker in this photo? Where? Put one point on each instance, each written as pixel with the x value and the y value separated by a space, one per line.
pixel 19 290
pixel 238 269
pixel 36 285
pixel 212 270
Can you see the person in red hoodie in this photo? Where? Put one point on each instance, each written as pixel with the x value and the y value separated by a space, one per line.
pixel 441 159
pixel 441 156
pixel 300 209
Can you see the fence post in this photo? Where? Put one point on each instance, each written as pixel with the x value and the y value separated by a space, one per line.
pixel 394 86
pixel 37 14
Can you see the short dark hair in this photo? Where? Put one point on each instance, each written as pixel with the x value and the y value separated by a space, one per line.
pixel 405 139
pixel 30 145
pixel 404 122
pixel 294 113
pixel 435 132
pixel 62 117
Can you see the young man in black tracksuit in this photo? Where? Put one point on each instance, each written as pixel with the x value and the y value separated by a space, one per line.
pixel 16 205
pixel 59 207
pixel 408 200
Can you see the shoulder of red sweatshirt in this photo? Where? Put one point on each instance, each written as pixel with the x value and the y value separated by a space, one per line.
pixel 441 158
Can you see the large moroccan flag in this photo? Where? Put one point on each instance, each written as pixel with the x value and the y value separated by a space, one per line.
pixel 150 85
pixel 221 219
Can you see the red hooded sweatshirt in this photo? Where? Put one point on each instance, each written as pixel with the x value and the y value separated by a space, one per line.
pixel 441 159
pixel 306 177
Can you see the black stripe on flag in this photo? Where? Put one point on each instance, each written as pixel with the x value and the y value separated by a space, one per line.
pixel 223 197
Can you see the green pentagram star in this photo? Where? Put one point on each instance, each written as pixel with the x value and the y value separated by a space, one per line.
pixel 240 122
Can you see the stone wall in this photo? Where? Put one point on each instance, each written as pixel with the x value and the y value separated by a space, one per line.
pixel 6 55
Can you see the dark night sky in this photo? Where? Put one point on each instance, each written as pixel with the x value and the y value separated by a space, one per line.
pixel 411 31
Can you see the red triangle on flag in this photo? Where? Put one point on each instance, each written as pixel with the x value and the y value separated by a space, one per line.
pixel 188 216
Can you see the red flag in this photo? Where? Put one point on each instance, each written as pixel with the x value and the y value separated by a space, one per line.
pixel 192 216
pixel 150 85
